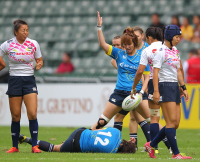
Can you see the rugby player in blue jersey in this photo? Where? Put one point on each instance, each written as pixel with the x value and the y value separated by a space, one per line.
pixel 127 62
pixel 85 140
pixel 135 117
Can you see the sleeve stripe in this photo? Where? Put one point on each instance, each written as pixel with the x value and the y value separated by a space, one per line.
pixel 146 72
pixel 109 50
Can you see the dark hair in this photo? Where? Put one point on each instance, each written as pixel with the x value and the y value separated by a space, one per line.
pixel 129 37
pixel 155 33
pixel 193 51
pixel 138 29
pixel 17 24
pixel 127 147
pixel 117 37
pixel 68 54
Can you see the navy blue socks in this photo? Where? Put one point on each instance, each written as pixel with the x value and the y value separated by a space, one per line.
pixel 33 126
pixel 165 140
pixel 118 125
pixel 43 145
pixel 154 129
pixel 171 136
pixel 146 130
pixel 15 130
pixel 159 137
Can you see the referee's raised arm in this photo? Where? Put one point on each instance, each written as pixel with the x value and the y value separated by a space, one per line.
pixel 101 39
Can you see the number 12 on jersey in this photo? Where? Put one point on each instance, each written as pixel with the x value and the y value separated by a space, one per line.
pixel 106 140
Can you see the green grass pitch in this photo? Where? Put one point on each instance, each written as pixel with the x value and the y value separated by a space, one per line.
pixel 188 141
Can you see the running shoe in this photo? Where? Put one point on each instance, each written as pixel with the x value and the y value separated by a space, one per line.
pixel 12 150
pixel 179 156
pixel 150 150
pixel 35 149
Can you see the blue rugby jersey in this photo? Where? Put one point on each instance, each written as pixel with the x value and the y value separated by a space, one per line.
pixel 127 67
pixel 104 141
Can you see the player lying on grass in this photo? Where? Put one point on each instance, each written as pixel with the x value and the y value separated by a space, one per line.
pixel 85 140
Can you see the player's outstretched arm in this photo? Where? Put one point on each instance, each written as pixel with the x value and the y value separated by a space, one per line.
pixel 101 39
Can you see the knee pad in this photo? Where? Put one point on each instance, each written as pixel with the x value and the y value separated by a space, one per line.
pixel 102 118
pixel 155 112
pixel 148 120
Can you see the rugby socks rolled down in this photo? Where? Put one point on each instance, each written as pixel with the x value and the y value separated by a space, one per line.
pixel 43 145
pixel 146 130
pixel 154 129
pixel 118 125
pixel 15 130
pixel 159 137
pixel 33 126
pixel 171 136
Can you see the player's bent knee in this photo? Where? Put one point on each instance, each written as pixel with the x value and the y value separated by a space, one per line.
pixel 32 116
pixel 176 125
pixel 119 117
pixel 16 118
pixel 132 118
pixel 103 120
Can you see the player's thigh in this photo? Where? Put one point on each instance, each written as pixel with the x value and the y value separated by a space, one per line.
pixel 110 110
pixel 137 116
pixel 143 109
pixel 15 107
pixel 30 100
pixel 169 110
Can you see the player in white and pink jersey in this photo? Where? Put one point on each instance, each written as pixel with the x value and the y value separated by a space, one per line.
pixel 154 39
pixel 167 63
pixel 22 51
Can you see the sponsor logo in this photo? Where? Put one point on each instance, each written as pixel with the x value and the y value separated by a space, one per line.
pixel 124 57
pixel 35 132
pixel 121 64
pixel 12 53
pixel 154 50
pixel 34 89
pixel 113 100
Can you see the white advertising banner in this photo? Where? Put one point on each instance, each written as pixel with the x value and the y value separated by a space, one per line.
pixel 70 105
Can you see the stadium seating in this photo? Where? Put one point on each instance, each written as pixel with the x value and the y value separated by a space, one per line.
pixel 58 24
